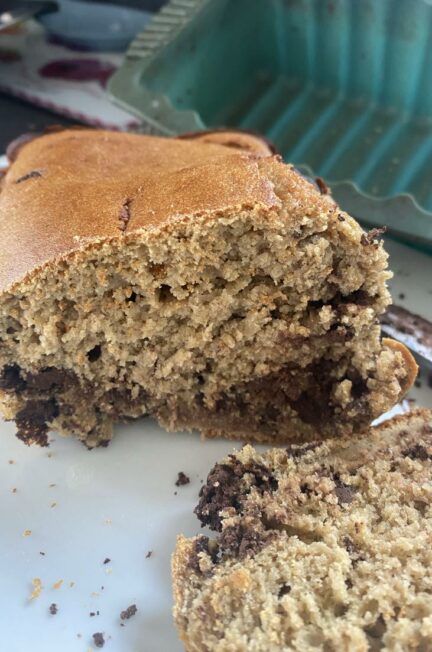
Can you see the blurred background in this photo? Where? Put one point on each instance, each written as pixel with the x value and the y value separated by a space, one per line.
pixel 62 32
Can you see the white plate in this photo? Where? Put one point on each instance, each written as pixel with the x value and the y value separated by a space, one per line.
pixel 117 503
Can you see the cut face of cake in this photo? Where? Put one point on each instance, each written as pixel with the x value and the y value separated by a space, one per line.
pixel 321 547
pixel 202 281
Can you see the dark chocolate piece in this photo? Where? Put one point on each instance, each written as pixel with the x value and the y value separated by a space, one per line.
pixel 417 452
pixel 32 421
pixel 129 612
pixel 345 493
pixel 241 541
pixel 284 590
pixel 226 487
pixel 11 379
pixel 182 479
pixel 98 639
pixel 47 379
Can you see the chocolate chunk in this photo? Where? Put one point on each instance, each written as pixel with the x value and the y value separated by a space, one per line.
pixel 98 639
pixel 30 175
pixel 341 218
pixel 11 379
pixel 241 541
pixel 32 421
pixel 182 479
pixel 47 379
pixel 227 486
pixel 53 609
pixel 129 612
pixel 345 493
pixel 348 583
pixel 370 238
pixel 221 491
pixel 417 452
pixel 284 590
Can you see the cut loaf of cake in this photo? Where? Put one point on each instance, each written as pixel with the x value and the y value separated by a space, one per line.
pixel 199 280
pixel 324 547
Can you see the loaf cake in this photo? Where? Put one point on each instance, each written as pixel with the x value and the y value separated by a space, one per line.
pixel 322 547
pixel 198 280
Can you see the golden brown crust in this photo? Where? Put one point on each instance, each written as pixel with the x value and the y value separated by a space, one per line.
pixel 235 138
pixel 76 187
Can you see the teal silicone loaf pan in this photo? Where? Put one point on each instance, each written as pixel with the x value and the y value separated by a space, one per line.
pixel 342 87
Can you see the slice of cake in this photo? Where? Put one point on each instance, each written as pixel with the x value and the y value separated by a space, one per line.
pixel 321 547
pixel 202 281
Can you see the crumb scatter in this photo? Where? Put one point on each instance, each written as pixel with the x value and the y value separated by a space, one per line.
pixel 37 588
pixel 129 612
pixel 182 479
pixel 98 639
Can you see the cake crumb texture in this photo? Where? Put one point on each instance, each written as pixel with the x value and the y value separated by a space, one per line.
pixel 321 547
pixel 210 286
